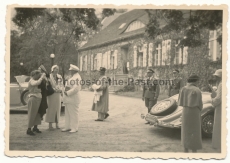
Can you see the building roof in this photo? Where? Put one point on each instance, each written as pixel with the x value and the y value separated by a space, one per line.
pixel 107 20
pixel 112 32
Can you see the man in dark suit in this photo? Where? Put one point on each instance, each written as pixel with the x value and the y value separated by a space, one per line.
pixel 151 90
pixel 177 84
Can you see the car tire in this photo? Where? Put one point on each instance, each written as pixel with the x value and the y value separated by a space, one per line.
pixel 24 96
pixel 207 122
pixel 165 111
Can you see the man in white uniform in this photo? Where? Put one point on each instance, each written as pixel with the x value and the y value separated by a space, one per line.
pixel 71 100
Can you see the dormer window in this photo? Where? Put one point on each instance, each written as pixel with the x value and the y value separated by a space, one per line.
pixel 134 26
pixel 122 25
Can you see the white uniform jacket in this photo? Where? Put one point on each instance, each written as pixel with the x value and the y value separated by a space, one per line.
pixel 73 87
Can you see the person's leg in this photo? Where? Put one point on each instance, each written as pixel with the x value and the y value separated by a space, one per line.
pixel 30 132
pixel 147 105
pixel 57 126
pixel 35 129
pixel 186 150
pixel 50 126
pixel 73 118
pixel 32 113
pixel 147 102
pixel 67 118
pixel 106 115
pixel 194 151
pixel 101 116
pixel 152 102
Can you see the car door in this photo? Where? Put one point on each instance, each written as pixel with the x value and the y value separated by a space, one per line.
pixel 14 94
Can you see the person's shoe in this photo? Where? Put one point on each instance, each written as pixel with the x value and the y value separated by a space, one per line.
pixel 106 116
pixel 29 132
pixel 147 123
pixel 73 131
pixel 51 128
pixel 36 130
pixel 98 120
pixel 65 130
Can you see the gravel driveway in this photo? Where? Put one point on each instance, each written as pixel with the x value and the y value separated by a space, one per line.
pixel 124 130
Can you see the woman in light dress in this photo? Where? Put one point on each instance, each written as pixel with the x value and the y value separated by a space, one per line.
pixel 216 102
pixel 35 97
pixel 54 100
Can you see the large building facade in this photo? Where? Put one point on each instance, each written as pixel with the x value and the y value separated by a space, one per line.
pixel 124 50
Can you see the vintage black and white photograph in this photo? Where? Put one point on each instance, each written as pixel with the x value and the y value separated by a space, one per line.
pixel 116 80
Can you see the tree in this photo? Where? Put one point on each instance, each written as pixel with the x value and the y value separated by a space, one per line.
pixel 52 30
pixel 190 22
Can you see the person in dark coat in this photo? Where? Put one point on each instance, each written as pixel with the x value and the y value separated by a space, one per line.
pixel 190 99
pixel 43 106
pixel 151 90
pixel 177 84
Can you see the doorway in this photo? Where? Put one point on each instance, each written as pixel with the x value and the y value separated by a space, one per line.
pixel 125 59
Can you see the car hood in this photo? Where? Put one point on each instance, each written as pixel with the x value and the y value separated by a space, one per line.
pixel 24 85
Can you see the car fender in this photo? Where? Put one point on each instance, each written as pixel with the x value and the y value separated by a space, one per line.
pixel 207 108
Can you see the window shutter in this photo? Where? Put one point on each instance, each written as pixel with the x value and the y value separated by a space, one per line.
pixel 144 55
pixel 168 52
pixel 159 56
pixel 150 59
pixel 180 55
pixel 86 63
pixel 92 61
pixel 163 61
pixel 99 60
pixel 115 59
pixel 135 56
pixel 185 55
pixel 81 63
pixel 108 59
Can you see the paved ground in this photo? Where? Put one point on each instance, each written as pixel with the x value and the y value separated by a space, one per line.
pixel 124 130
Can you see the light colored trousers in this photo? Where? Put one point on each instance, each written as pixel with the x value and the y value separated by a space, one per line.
pixel 71 116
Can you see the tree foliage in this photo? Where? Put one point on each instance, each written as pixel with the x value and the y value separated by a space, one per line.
pixel 108 12
pixel 189 22
pixel 43 31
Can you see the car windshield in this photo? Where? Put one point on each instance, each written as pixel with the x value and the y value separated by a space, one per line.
pixel 22 78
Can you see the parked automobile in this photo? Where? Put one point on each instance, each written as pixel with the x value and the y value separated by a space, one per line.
pixel 19 93
pixel 167 113
pixel 18 90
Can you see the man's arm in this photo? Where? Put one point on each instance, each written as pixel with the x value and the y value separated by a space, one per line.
pixel 75 88
pixel 157 91
pixel 36 82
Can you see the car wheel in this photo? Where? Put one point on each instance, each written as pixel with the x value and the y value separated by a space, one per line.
pixel 25 97
pixel 207 125
pixel 164 107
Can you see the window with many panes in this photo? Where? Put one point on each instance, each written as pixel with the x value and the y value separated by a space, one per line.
pixel 214 46
pixel 140 59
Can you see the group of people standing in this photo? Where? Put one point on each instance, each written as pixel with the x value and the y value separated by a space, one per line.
pixel 45 91
pixel 190 98
pixel 44 98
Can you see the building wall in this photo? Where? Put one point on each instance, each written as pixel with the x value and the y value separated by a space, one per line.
pixel 198 61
